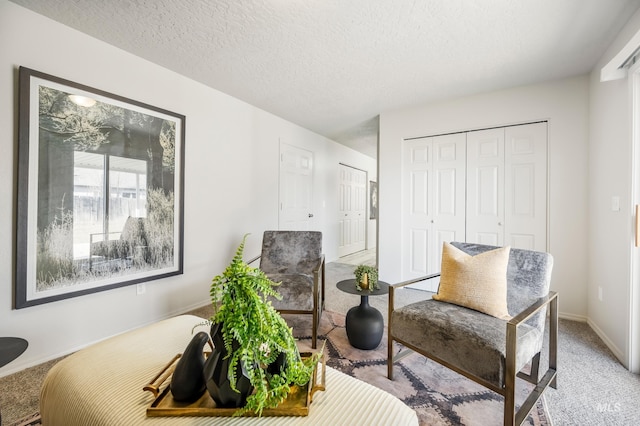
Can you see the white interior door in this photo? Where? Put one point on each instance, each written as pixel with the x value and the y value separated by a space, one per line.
pixel 507 186
pixel 352 215
pixel 485 187
pixel 449 197
pixel 526 186
pixel 417 171
pixel 434 202
pixel 296 189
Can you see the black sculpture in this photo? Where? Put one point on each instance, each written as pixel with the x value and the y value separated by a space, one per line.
pixel 216 372
pixel 188 384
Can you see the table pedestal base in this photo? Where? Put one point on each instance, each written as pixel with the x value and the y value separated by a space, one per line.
pixel 365 325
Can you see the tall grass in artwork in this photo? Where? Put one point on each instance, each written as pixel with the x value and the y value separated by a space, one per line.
pixel 54 260
pixel 159 228
pixel 152 250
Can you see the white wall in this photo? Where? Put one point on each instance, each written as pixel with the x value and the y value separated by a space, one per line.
pixel 231 182
pixel 564 104
pixel 610 174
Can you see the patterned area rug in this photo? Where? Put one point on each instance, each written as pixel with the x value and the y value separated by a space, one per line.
pixel 439 395
pixel 32 420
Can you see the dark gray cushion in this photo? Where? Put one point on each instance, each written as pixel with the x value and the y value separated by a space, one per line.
pixel 467 339
pixel 296 291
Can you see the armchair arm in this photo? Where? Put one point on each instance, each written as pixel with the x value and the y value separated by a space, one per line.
pixel 413 281
pixel 549 378
pixel 316 269
pixel 534 308
pixel 393 287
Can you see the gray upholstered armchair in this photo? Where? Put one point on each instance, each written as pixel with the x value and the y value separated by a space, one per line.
pixel 295 259
pixel 488 350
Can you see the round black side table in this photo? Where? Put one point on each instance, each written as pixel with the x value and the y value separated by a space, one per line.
pixel 10 349
pixel 364 323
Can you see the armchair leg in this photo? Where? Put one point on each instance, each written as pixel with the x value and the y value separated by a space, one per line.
pixel 532 377
pixel 390 358
pixel 389 337
pixel 509 407
pixel 553 340
pixel 510 377
pixel 314 329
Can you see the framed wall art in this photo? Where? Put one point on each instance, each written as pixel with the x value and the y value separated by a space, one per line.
pixel 100 191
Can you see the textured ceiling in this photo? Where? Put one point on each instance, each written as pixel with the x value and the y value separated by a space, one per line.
pixel 333 65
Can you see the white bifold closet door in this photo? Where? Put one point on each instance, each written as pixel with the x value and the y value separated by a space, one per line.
pixel 433 202
pixel 486 186
pixel 507 186
pixel 352 215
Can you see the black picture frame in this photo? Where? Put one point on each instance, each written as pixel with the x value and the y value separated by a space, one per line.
pixel 100 191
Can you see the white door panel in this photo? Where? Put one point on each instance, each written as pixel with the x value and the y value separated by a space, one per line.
pixel 507 186
pixel 418 251
pixel 419 193
pixel 352 210
pixel 416 217
pixel 485 186
pixel 522 241
pixel 526 186
pixel 433 200
pixel 449 185
pixel 489 239
pixel 446 184
pixel 296 189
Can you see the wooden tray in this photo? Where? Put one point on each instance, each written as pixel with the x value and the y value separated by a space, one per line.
pixel 296 404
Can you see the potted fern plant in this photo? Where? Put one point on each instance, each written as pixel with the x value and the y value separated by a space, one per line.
pixel 254 336
pixel 366 277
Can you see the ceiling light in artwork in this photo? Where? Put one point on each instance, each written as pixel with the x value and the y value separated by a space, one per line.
pixel 83 101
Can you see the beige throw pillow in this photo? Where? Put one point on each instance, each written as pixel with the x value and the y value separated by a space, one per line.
pixel 477 282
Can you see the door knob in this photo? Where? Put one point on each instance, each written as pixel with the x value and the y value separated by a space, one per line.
pixel 310 214
pixel 499 223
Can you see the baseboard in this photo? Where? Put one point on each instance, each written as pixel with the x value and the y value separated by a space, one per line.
pixel 616 351
pixel 573 317
pixel 601 334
